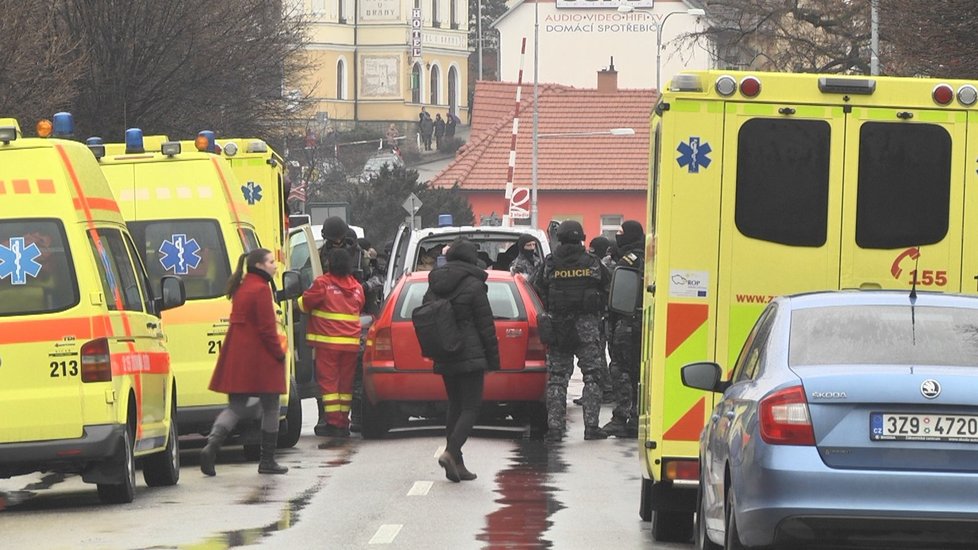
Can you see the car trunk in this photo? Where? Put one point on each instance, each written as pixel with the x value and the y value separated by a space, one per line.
pixel 877 416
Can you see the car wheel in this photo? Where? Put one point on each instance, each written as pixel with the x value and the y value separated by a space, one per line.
pixel 732 536
pixel 700 538
pixel 375 423
pixel 124 491
pixel 672 526
pixel 288 437
pixel 163 468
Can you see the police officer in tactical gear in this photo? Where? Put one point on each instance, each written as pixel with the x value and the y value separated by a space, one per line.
pixel 627 340
pixel 572 285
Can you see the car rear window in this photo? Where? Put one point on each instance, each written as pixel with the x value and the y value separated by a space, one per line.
pixel 192 249
pixel 885 335
pixel 497 251
pixel 36 271
pixel 504 299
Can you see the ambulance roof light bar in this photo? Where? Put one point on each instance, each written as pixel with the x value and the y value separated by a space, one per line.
pixel 852 86
pixel 206 141
pixel 96 146
pixel 134 141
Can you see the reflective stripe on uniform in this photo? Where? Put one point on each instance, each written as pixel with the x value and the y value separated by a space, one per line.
pixel 335 316
pixel 336 408
pixel 337 397
pixel 353 341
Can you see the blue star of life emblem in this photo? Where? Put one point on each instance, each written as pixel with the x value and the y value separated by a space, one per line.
pixel 694 154
pixel 18 261
pixel 252 192
pixel 180 254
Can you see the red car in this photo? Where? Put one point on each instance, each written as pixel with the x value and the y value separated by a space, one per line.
pixel 399 383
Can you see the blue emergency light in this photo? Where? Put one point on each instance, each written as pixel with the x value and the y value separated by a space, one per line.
pixel 64 124
pixel 205 141
pixel 445 220
pixel 134 141
pixel 96 145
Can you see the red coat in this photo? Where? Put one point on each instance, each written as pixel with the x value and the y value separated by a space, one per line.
pixel 334 305
pixel 252 359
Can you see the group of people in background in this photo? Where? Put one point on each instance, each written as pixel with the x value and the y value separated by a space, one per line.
pixel 439 128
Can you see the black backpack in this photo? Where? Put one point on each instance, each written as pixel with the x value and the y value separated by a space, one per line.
pixel 436 328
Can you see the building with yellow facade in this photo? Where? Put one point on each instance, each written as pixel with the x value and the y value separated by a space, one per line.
pixel 381 61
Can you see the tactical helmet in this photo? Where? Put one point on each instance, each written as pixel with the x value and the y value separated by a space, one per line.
pixel 334 229
pixel 570 231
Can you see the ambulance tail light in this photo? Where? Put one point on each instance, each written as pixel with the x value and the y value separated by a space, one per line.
pixel 967 95
pixel 205 141
pixel 96 146
pixel 64 125
pixel 785 419
pixel 134 141
pixel 383 345
pixel 44 128
pixel 750 86
pixel 96 365
pixel 230 149
pixel 686 469
pixel 726 85
pixel 943 94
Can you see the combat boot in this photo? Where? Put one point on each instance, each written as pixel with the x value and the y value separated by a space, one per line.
pixel 594 432
pixel 617 427
pixel 267 464
pixel 554 435
pixel 209 453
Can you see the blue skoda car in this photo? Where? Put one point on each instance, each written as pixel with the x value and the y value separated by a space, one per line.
pixel 850 418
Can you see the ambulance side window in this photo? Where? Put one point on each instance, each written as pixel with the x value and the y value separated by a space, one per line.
pixel 119 282
pixel 249 240
pixel 140 271
pixel 654 195
pixel 783 181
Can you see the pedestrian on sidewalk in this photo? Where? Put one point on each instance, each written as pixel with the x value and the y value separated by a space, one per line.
pixel 462 282
pixel 392 135
pixel 251 361
pixel 427 128
pixel 439 131
pixel 450 124
pixel 334 302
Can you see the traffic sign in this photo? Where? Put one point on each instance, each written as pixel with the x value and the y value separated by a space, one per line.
pixel 412 204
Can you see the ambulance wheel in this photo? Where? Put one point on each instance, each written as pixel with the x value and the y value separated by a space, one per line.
pixel 162 469
pixel 672 526
pixel 375 422
pixel 288 437
pixel 124 491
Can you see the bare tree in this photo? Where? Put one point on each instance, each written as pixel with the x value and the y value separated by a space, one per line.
pixel 38 67
pixel 934 38
pixel 180 66
pixel 790 35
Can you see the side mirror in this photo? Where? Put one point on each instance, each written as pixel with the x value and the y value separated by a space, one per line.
pixel 626 291
pixel 172 293
pixel 291 286
pixel 703 376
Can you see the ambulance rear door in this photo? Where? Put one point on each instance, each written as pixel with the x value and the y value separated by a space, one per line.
pixel 780 211
pixel 904 187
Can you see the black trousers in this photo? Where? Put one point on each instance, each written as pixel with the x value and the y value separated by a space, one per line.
pixel 464 399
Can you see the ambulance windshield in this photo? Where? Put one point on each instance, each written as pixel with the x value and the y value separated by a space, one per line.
pixel 192 249
pixel 36 272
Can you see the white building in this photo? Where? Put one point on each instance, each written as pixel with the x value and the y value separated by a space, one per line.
pixel 577 37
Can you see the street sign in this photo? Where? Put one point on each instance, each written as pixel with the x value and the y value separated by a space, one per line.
pixel 412 204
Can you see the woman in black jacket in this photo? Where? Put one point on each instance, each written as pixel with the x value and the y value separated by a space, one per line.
pixel 461 280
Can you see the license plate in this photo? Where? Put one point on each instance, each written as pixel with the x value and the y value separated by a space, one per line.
pixel 958 428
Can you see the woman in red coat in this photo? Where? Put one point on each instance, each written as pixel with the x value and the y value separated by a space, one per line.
pixel 251 361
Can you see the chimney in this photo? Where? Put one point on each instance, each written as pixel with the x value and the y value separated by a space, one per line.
pixel 608 79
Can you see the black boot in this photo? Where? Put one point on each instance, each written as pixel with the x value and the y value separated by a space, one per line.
pixel 617 427
pixel 209 453
pixel 267 464
pixel 594 432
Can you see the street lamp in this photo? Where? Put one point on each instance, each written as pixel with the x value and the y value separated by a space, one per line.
pixel 697 12
pixel 536 136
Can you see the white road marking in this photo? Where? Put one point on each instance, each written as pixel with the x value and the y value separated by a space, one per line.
pixel 420 488
pixel 439 451
pixel 386 534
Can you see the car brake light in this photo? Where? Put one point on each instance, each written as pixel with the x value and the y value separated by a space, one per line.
pixel 535 350
pixel 383 346
pixel 785 419
pixel 96 365
pixel 684 470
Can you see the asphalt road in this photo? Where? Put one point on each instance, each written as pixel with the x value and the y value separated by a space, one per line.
pixel 357 494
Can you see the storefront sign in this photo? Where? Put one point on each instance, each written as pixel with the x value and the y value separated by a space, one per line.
pixel 603 4
pixel 416 23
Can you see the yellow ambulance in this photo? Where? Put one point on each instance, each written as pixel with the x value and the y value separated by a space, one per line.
pixel 185 211
pixel 770 184
pixel 85 379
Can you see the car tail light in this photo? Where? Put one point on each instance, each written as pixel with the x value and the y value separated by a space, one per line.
pixel 681 470
pixel 785 419
pixel 96 365
pixel 535 350
pixel 383 346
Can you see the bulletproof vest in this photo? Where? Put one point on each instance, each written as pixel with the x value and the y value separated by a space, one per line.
pixel 574 284
pixel 360 262
pixel 633 255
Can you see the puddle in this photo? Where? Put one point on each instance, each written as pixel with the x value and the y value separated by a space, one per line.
pixel 527 497
pixel 13 498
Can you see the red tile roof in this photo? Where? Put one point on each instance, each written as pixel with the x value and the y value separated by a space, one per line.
pixel 565 163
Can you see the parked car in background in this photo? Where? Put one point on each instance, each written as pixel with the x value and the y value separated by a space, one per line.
pixel 377 161
pixel 399 383
pixel 850 417
pixel 416 250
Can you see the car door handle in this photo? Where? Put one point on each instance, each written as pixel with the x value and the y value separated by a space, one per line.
pixel 730 414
